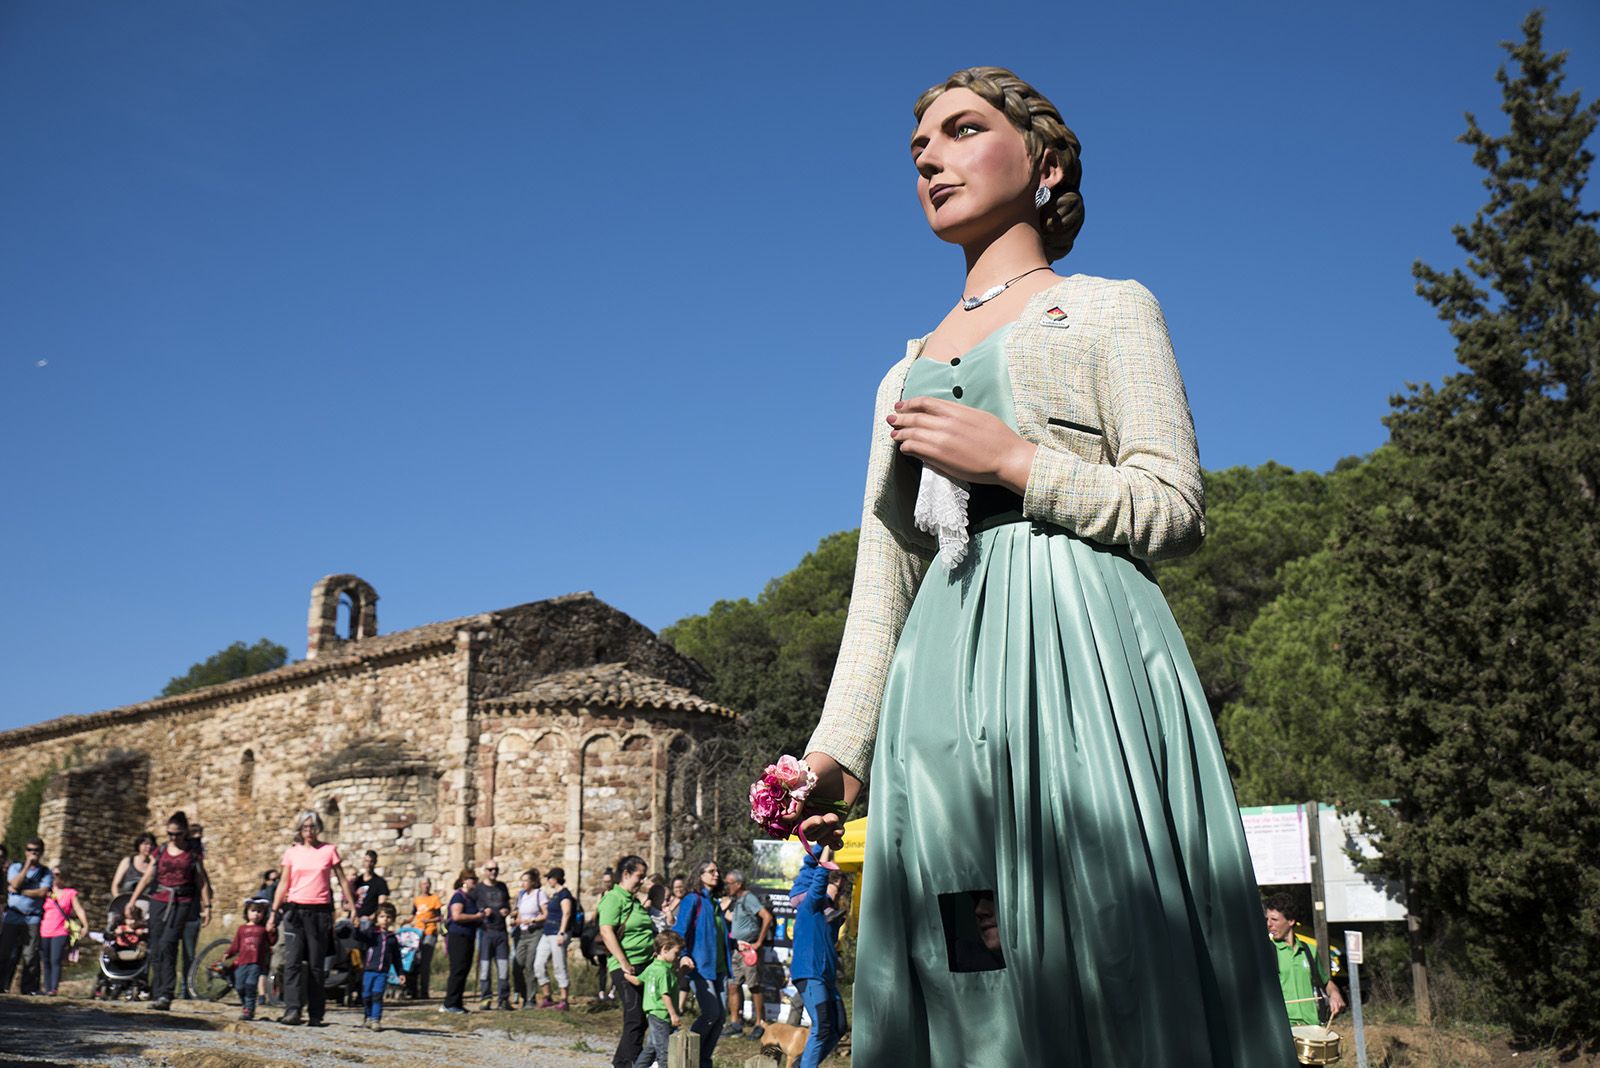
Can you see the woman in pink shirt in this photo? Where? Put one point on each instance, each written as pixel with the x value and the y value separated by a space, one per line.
pixel 59 904
pixel 305 895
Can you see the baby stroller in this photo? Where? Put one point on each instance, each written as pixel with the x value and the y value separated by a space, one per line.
pixel 343 984
pixel 125 954
pixel 410 939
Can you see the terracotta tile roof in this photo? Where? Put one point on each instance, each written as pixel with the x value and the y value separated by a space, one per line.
pixel 609 685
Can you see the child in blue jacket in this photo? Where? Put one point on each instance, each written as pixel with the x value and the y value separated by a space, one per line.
pixel 380 956
pixel 814 966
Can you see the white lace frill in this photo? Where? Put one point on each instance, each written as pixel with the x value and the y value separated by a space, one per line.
pixel 942 511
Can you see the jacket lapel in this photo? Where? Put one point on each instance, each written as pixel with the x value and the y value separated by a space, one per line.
pixel 1047 314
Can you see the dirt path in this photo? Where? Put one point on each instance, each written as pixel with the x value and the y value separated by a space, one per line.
pixel 47 1031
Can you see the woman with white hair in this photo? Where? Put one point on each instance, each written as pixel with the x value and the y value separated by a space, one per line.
pixel 305 894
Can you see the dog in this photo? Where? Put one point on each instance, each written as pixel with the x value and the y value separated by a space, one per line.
pixel 786 1040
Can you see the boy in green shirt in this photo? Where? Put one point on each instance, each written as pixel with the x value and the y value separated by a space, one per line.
pixel 660 982
pixel 1297 965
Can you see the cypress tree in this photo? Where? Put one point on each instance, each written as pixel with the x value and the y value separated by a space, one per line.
pixel 1475 602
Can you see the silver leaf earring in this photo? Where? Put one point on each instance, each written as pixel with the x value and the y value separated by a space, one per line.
pixel 1042 197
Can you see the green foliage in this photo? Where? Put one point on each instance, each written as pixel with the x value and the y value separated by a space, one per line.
pixel 23 822
pixel 1474 604
pixel 1292 734
pixel 1257 520
pixel 772 660
pixel 1259 607
pixel 235 662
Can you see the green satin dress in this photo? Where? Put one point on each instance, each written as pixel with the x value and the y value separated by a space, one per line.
pixel 1044 739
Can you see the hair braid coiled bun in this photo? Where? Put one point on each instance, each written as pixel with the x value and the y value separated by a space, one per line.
pixel 1042 128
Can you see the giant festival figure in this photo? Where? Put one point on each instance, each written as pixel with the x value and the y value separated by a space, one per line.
pixel 1055 872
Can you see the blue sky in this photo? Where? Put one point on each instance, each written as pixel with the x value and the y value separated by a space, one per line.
pixel 490 302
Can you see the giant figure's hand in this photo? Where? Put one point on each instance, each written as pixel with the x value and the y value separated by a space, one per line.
pixel 961 442
pixel 833 784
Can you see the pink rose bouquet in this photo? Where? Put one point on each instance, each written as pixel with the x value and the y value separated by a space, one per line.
pixel 778 800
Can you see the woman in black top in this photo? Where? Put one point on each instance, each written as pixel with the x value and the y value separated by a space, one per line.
pixel 180 884
pixel 464 920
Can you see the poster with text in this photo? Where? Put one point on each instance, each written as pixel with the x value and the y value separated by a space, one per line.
pixel 1280 844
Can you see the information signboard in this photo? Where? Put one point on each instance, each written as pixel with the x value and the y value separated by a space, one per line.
pixel 1352 896
pixel 1280 844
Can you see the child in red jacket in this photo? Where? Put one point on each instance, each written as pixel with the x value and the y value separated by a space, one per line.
pixel 250 951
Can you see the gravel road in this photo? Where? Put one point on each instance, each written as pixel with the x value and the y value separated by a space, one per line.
pixel 49 1031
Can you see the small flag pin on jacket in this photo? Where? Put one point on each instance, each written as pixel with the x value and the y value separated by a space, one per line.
pixel 1055 315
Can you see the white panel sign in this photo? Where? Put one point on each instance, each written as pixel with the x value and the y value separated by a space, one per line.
pixel 1280 844
pixel 1354 897
pixel 1352 947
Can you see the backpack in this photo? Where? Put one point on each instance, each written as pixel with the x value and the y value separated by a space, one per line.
pixel 589 944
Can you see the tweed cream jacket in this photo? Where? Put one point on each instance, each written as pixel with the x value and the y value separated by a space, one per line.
pixel 1097 389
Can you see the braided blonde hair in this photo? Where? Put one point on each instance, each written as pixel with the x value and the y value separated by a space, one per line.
pixel 1042 128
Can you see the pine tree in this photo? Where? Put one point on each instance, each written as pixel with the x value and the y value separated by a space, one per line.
pixel 1475 607
pixel 237 661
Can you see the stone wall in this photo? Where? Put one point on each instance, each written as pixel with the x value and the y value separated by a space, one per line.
pixel 534 771
pixel 617 810
pixel 389 738
pixel 240 762
pixel 579 788
pixel 396 815
pixel 86 808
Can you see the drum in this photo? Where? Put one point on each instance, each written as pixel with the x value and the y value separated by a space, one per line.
pixel 1315 1045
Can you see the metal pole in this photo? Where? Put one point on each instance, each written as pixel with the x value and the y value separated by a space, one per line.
pixel 1355 1001
pixel 1319 910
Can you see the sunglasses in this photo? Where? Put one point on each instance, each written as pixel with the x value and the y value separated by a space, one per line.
pixel 30 849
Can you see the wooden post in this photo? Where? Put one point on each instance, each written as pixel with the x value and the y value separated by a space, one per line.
pixel 1419 962
pixel 683 1049
pixel 1319 905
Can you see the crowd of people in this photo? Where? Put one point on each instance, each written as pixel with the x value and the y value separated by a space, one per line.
pixel 668 951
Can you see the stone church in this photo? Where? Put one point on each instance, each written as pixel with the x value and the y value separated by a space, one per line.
pixel 561 732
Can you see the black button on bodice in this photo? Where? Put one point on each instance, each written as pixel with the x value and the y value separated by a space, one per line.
pixel 956 392
pixel 956 362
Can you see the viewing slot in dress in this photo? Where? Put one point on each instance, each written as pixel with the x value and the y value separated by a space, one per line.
pixel 1044 738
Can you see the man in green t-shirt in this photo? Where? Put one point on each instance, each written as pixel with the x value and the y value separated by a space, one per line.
pixel 1297 965
pixel 660 985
